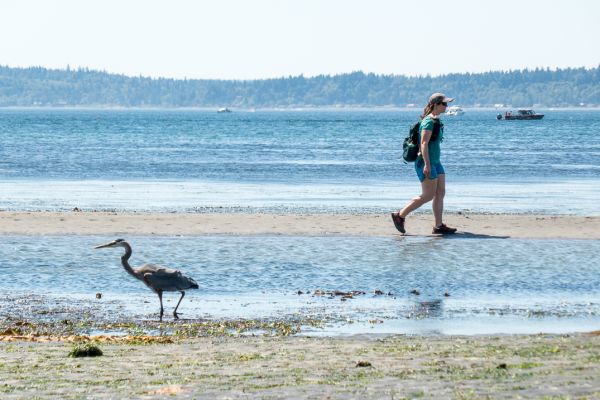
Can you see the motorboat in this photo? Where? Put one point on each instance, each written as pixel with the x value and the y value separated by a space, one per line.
pixel 520 114
pixel 224 110
pixel 454 110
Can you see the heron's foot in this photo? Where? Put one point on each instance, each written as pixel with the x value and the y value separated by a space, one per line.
pixel 175 315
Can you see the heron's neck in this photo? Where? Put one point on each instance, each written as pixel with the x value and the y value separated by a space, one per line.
pixel 125 260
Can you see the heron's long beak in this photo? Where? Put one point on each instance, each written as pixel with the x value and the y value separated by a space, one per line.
pixel 104 245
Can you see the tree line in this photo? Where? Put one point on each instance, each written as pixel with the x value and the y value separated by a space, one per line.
pixel 38 86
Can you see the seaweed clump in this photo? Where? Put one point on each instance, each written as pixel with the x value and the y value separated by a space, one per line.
pixel 85 350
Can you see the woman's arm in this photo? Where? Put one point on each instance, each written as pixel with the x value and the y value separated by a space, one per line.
pixel 425 136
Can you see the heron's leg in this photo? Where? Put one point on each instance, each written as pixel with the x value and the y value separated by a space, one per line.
pixel 175 312
pixel 159 292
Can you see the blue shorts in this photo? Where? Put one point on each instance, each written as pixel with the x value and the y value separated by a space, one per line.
pixel 436 169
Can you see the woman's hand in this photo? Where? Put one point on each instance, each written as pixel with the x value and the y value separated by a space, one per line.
pixel 427 170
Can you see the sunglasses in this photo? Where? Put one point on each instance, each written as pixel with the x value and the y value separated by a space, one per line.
pixel 445 104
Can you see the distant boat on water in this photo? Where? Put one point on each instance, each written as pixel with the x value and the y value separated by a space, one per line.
pixel 520 114
pixel 224 110
pixel 454 110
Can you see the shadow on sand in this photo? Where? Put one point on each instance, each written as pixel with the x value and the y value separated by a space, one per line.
pixel 470 235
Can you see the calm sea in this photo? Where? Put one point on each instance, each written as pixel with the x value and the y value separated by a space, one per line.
pixel 316 161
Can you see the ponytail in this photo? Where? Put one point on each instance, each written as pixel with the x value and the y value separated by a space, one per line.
pixel 427 110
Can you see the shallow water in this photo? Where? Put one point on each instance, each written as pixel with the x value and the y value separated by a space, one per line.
pixel 533 197
pixel 494 285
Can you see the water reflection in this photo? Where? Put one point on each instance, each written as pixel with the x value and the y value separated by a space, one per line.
pixel 428 309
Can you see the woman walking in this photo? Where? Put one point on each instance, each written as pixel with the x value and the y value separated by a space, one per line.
pixel 428 166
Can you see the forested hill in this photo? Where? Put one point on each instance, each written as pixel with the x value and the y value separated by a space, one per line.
pixel 83 87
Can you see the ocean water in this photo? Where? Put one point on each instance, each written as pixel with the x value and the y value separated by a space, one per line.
pixel 329 161
pixel 466 285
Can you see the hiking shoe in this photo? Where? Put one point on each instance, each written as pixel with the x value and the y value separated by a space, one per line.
pixel 443 229
pixel 398 222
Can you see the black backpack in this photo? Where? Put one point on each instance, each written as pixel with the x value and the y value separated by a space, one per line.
pixel 411 146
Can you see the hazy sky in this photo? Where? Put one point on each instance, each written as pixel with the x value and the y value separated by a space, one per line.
pixel 248 39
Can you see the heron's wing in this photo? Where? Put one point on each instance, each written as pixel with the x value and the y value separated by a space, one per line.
pixel 158 270
pixel 167 279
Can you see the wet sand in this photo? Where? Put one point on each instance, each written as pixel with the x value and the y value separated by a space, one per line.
pixel 121 224
pixel 498 367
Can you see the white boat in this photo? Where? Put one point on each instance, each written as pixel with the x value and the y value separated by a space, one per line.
pixel 454 110
pixel 223 110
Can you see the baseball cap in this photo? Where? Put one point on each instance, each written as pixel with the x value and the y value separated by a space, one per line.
pixel 438 98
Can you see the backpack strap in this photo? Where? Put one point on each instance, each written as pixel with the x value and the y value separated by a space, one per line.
pixel 437 127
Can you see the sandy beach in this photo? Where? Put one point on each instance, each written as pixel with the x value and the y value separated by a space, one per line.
pixel 121 224
pixel 398 367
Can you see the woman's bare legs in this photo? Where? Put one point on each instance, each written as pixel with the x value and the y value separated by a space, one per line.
pixel 438 200
pixel 428 192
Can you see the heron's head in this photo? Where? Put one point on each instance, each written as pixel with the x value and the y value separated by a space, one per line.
pixel 114 243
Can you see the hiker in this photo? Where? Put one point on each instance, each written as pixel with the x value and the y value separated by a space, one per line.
pixel 429 167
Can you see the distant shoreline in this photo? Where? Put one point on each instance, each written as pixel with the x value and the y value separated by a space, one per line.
pixel 539 87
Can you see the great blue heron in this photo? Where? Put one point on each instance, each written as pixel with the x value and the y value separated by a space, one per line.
pixel 156 277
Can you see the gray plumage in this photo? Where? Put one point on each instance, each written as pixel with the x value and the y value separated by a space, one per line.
pixel 156 277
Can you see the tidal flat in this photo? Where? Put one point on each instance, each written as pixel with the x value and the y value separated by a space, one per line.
pixel 278 366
